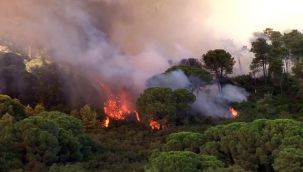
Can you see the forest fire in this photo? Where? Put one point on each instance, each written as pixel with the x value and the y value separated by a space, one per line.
pixel 117 107
pixel 154 124
pixel 137 116
pixel 234 113
pixel 105 122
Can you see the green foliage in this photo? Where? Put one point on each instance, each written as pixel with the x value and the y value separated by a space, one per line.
pixel 234 168
pixel 157 103
pixel 10 152
pixel 193 71
pixel 88 116
pixel 163 103
pixel 293 41
pixel 219 61
pixel 29 110
pixel 43 140
pixel 192 62
pixel 289 160
pixel 67 168
pixel 298 69
pixel 38 109
pixel 184 141
pixel 183 99
pixel 276 56
pixel 12 107
pixel 211 162
pixel 275 68
pixel 270 107
pixel 274 36
pixel 55 141
pixel 261 49
pixel 7 120
pixel 255 145
pixel 180 161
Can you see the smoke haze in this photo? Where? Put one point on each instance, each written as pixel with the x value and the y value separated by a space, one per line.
pixel 174 80
pixel 124 43
pixel 209 101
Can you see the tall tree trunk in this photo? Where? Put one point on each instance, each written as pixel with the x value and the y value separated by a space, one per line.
pixel 219 82
pixel 255 82
pixel 264 73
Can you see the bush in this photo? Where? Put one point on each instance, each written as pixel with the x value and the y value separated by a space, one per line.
pixel 187 141
pixel 67 168
pixel 255 145
pixel 192 71
pixel 164 104
pixel 12 107
pixel 47 138
pixel 289 160
pixel 181 161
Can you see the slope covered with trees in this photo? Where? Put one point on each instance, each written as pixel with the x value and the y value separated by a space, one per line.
pixel 43 128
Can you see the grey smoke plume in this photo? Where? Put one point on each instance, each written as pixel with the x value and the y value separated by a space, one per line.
pixel 67 31
pixel 174 80
pixel 118 41
pixel 121 42
pixel 233 93
pixel 209 101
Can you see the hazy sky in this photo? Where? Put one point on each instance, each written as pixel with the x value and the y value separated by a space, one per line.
pixel 237 19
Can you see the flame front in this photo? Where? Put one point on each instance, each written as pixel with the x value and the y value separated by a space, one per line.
pixel 233 112
pixel 154 124
pixel 137 116
pixel 118 107
pixel 105 122
pixel 114 109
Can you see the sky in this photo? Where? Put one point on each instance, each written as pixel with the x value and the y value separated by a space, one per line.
pixel 238 19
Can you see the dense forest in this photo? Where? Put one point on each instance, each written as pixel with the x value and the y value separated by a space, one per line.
pixel 45 126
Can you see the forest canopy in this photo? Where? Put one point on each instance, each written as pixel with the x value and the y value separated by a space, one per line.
pixel 55 117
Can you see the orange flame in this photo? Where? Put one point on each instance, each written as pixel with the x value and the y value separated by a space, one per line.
pixel 117 107
pixel 114 109
pixel 137 116
pixel 105 122
pixel 233 112
pixel 154 124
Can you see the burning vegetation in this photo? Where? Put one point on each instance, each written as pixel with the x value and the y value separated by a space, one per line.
pixel 49 65
pixel 105 122
pixel 234 113
pixel 118 108
pixel 155 125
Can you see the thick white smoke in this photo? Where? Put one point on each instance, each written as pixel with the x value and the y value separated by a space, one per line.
pixel 233 93
pixel 67 31
pixel 174 80
pixel 213 103
pixel 123 43
pixel 209 101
